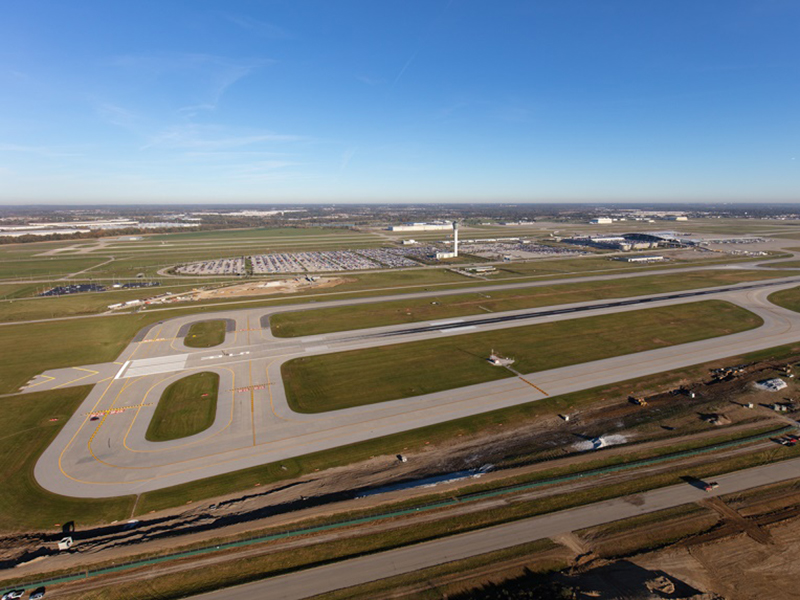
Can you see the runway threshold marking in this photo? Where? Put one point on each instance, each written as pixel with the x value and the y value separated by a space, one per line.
pixel 533 385
pixel 33 385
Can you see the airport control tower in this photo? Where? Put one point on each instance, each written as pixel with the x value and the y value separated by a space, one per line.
pixel 455 238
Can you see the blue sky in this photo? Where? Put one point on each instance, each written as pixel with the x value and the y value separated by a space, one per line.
pixel 399 100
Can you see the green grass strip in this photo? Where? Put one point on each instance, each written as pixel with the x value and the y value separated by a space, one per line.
pixel 188 406
pixel 401 512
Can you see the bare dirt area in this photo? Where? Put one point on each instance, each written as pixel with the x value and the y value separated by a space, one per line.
pixel 737 567
pixel 685 414
pixel 736 549
pixel 265 288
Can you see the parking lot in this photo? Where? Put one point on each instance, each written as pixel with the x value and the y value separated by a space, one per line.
pixel 222 266
pixel 515 249
pixel 311 262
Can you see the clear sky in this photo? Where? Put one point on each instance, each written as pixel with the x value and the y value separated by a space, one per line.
pixel 399 100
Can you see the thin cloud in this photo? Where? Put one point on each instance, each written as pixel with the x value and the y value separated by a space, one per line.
pixel 347 156
pixel 370 80
pixel 212 138
pixel 405 68
pixel 47 151
pixel 261 28
pixel 212 74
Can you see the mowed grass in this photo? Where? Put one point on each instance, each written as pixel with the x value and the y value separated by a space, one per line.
pixel 188 406
pixel 31 348
pixel 345 318
pixel 256 233
pixel 334 381
pixel 787 299
pixel 47 266
pixel 27 431
pixel 205 334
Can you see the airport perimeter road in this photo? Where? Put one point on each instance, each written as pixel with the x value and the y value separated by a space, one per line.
pixel 319 580
pixel 109 456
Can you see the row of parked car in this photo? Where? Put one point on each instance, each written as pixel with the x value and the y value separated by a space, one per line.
pixel 14 594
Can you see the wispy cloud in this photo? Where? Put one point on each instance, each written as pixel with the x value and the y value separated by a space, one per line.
pixel 211 75
pixel 47 151
pixel 370 80
pixel 197 137
pixel 347 156
pixel 117 115
pixel 261 28
pixel 405 68
pixel 514 114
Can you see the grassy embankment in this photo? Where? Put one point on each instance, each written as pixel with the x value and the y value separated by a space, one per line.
pixel 27 431
pixel 345 318
pixel 241 570
pixel 344 379
pixel 188 406
pixel 205 334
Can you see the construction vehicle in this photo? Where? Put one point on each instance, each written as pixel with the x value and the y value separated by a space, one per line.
pixel 637 400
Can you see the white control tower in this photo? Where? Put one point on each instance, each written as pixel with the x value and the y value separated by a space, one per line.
pixel 455 238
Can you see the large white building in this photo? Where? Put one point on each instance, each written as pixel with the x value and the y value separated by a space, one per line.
pixel 421 227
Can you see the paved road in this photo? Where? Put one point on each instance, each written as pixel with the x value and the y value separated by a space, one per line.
pixel 254 425
pixel 320 580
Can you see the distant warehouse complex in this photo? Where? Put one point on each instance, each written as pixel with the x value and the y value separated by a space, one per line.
pixel 421 227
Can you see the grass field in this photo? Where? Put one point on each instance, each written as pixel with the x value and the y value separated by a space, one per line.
pixel 340 380
pixel 188 406
pixel 46 267
pixel 30 348
pixel 787 299
pixel 788 264
pixel 313 322
pixel 205 334
pixel 27 431
pixel 258 233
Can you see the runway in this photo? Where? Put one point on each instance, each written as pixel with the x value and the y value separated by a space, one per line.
pixel 254 424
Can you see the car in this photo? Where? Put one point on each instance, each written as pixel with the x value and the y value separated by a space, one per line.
pixel 711 485
pixel 37 593
pixel 13 595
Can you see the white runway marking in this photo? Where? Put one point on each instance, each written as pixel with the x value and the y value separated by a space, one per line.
pixel 451 322
pixel 153 366
pixel 316 348
pixel 457 329
pixel 313 338
pixel 122 369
